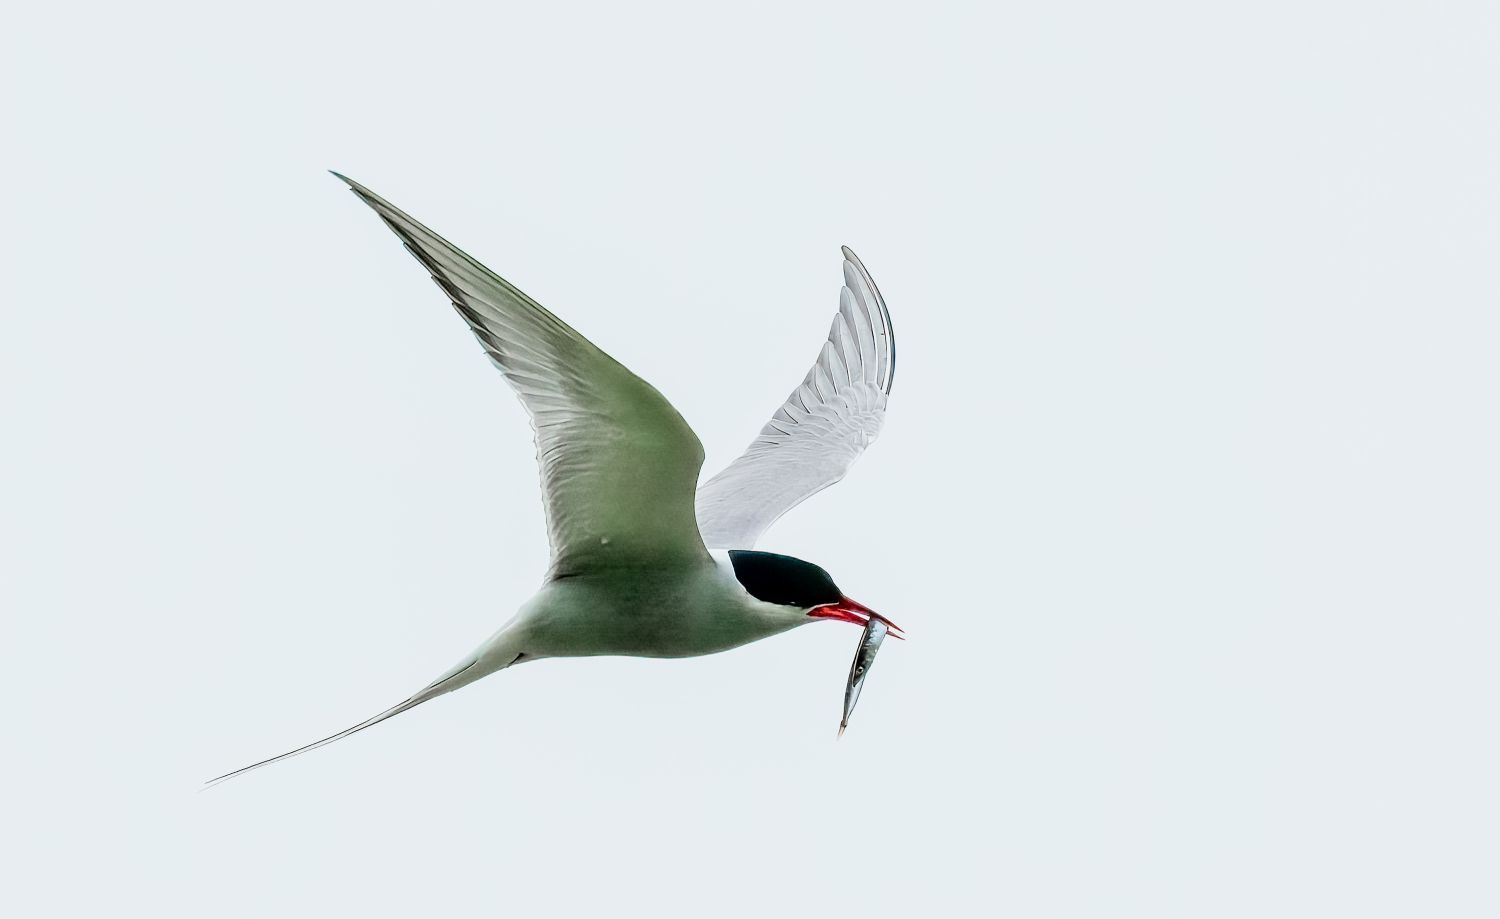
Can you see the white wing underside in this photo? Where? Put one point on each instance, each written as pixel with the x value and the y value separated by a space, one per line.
pixel 618 463
pixel 819 432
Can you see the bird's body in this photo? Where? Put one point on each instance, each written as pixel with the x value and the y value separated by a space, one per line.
pixel 644 562
pixel 681 611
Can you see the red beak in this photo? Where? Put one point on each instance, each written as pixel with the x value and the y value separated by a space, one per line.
pixel 852 611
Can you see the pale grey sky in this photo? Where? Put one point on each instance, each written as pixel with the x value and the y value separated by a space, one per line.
pixel 1187 496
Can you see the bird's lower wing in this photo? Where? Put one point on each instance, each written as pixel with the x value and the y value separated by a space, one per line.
pixel 618 462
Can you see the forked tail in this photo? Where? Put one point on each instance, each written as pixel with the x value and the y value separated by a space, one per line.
pixel 443 684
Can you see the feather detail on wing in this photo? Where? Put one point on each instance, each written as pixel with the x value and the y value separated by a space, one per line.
pixel 618 463
pixel 821 429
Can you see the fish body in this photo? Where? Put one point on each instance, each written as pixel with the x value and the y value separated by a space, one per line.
pixel 864 658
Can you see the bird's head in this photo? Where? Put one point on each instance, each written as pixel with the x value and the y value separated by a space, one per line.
pixel 798 585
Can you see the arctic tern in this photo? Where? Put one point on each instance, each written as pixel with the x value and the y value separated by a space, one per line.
pixel 645 563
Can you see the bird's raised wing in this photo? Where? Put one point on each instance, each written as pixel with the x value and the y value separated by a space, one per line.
pixel 618 462
pixel 819 432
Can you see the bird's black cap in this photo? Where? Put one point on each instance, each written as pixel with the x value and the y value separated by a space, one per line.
pixel 783 580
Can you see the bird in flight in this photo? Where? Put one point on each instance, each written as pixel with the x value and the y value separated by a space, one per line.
pixel 644 562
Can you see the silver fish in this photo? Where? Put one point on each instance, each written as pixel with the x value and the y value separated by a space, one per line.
pixel 864 658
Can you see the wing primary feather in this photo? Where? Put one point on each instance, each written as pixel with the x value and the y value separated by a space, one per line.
pixel 618 463
pixel 819 430
pixel 887 331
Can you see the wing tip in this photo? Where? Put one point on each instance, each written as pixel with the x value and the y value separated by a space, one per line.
pixel 885 316
pixel 353 185
pixel 380 205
